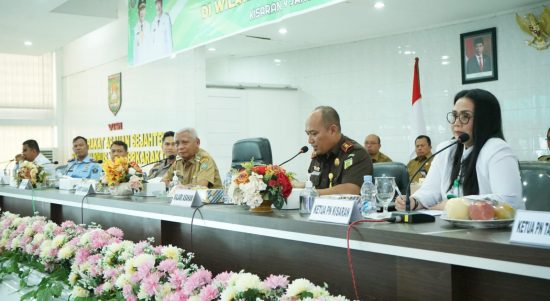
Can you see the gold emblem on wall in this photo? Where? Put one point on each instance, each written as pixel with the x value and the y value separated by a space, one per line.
pixel 539 29
pixel 115 92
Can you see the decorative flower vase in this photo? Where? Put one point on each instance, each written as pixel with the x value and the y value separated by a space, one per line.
pixel 265 206
pixel 122 189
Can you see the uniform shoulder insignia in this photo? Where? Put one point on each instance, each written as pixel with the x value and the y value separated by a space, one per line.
pixel 347 146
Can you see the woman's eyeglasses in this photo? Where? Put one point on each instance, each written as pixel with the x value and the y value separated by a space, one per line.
pixel 463 117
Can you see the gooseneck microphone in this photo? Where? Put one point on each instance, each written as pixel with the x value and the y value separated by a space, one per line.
pixel 171 157
pixel 410 217
pixel 304 149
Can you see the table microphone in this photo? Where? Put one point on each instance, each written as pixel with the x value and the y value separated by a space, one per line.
pixel 171 157
pixel 304 149
pixel 415 217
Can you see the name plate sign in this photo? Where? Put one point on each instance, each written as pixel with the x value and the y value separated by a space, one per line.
pixel 25 184
pixel 532 228
pixel 334 211
pixel 186 198
pixel 84 188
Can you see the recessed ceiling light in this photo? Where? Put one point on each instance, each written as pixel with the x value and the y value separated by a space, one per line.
pixel 278 61
pixel 379 5
pixel 283 30
pixel 445 57
pixel 28 43
pixel 407 52
pixel 212 49
pixel 445 63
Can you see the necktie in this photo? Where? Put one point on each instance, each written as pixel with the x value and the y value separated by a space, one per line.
pixel 480 63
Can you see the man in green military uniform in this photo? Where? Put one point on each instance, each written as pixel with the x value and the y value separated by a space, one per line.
pixel 546 158
pixel 372 145
pixel 194 167
pixel 423 148
pixel 338 163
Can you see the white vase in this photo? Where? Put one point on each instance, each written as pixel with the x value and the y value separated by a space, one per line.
pixel 122 189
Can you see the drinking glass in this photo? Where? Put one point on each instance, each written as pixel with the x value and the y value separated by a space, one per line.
pixel 385 190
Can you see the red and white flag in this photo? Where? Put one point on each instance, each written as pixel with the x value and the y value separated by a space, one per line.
pixel 418 126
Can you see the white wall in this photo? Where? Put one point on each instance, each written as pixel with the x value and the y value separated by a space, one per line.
pixel 370 84
pixel 158 96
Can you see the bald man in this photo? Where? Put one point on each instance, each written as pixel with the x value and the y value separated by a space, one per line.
pixel 372 145
pixel 339 163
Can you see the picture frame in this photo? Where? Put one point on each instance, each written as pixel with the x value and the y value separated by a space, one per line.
pixel 479 56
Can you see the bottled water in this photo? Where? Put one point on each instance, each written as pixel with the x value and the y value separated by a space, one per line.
pixel 307 197
pixel 368 198
pixel 175 181
pixel 226 183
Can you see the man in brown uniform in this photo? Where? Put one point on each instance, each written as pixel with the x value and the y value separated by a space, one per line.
pixel 338 163
pixel 546 157
pixel 372 145
pixel 169 149
pixel 195 167
pixel 423 147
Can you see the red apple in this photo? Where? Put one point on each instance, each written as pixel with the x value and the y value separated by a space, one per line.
pixel 481 210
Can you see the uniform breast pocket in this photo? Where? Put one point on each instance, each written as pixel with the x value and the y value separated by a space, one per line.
pixel 315 179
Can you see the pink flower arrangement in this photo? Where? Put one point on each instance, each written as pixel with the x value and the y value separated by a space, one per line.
pixel 103 265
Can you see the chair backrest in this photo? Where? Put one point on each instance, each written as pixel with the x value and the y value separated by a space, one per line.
pixel 535 177
pixel 245 150
pixel 393 169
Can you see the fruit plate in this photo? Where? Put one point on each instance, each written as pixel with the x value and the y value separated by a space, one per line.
pixel 488 224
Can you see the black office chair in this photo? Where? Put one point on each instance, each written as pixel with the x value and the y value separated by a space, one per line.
pixel 393 169
pixel 535 178
pixel 245 150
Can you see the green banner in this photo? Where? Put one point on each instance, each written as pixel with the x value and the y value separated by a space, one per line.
pixel 157 28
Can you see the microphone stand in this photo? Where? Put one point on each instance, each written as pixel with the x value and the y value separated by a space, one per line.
pixel 291 158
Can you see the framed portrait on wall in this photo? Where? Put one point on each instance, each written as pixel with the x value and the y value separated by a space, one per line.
pixel 479 56
pixel 114 96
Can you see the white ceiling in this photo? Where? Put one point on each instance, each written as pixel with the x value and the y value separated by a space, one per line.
pixel 50 24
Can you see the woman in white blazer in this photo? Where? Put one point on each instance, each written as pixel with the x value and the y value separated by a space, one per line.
pixel 484 166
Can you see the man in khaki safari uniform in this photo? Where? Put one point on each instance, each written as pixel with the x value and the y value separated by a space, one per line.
pixel 194 167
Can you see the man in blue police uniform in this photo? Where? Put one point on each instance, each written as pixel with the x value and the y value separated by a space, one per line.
pixel 83 166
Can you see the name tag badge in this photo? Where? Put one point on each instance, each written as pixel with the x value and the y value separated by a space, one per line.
pixel 334 211
pixel 186 198
pixel 531 228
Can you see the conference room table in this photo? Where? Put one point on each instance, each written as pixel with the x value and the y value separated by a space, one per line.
pixel 431 261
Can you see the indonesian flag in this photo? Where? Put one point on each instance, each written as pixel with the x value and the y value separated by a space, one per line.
pixel 418 126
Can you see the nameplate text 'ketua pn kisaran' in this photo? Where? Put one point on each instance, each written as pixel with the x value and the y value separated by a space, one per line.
pixel 332 210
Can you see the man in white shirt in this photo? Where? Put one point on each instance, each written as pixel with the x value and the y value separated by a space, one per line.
pixel 142 32
pixel 161 28
pixel 31 153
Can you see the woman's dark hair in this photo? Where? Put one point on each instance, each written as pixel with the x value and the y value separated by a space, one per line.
pixel 487 124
